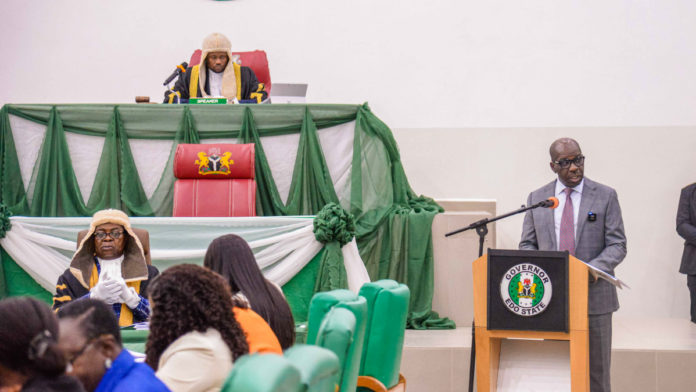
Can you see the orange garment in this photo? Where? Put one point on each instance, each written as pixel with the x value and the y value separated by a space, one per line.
pixel 259 335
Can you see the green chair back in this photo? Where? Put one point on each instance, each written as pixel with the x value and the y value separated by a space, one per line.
pixel 263 373
pixel 387 309
pixel 319 367
pixel 327 332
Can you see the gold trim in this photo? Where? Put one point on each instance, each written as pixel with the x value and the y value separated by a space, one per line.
pixel 238 77
pixel 126 317
pixel 193 85
pixel 61 299
pixel 171 96
pixel 258 97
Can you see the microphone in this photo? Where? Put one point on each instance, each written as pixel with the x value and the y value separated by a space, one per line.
pixel 179 69
pixel 551 203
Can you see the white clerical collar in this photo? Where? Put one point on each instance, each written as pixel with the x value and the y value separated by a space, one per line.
pixel 110 267
pixel 560 187
pixel 117 260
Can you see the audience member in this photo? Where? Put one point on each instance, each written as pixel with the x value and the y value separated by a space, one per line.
pixel 91 339
pixel 259 335
pixel 109 265
pixel 231 257
pixel 686 227
pixel 30 358
pixel 194 337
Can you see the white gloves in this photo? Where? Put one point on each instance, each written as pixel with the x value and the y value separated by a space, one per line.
pixel 127 294
pixel 107 290
pixel 115 290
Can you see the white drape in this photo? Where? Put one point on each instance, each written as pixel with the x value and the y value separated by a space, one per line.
pixel 43 247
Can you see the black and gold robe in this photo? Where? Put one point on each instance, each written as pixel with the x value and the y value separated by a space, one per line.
pixel 248 86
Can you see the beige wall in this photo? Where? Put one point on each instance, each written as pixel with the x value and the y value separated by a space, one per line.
pixel 430 67
pixel 647 166
pixel 438 63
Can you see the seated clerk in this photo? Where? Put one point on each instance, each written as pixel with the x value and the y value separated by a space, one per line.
pixel 91 342
pixel 217 76
pixel 194 338
pixel 110 266
pixel 259 335
pixel 231 257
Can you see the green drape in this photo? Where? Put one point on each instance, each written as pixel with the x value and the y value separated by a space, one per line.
pixel 393 223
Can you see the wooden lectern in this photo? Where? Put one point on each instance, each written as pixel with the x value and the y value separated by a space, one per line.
pixel 488 341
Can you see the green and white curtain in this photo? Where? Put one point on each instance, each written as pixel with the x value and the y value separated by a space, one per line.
pixel 282 246
pixel 73 160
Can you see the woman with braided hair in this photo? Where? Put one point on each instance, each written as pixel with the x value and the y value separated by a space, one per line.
pixel 194 337
pixel 30 359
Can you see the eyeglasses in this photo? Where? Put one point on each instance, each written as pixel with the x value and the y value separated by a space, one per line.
pixel 565 163
pixel 79 354
pixel 114 235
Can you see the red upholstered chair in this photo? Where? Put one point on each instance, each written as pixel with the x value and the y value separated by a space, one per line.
pixel 256 60
pixel 214 180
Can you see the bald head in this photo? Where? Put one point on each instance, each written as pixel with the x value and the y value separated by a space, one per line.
pixel 560 145
pixel 567 161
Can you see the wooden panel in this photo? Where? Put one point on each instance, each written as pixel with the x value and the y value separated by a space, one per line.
pixel 488 343
pixel 480 267
pixel 578 275
pixel 530 335
pixel 495 361
pixel 483 360
pixel 579 361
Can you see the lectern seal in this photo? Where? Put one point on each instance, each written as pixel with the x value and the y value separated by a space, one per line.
pixel 526 289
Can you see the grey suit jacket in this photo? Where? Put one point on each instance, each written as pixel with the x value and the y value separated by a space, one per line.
pixel 686 227
pixel 601 243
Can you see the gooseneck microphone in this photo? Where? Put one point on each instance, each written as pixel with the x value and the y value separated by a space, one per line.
pixel 178 71
pixel 551 203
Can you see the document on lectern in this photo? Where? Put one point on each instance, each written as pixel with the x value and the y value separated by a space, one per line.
pixel 599 274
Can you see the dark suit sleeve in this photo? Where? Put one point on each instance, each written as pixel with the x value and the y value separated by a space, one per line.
pixel 685 227
pixel 252 88
pixel 614 237
pixel 181 87
pixel 529 238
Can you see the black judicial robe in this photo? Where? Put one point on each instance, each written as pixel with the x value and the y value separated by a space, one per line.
pixel 69 288
pixel 251 88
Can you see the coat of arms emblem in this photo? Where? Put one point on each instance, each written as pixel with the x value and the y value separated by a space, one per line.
pixel 526 289
pixel 213 163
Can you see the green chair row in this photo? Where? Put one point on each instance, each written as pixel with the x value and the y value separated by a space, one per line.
pixel 303 369
pixel 369 344
pixel 355 342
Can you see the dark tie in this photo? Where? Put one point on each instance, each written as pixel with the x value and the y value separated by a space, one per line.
pixel 567 241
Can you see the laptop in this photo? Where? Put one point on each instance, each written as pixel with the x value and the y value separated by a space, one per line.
pixel 288 93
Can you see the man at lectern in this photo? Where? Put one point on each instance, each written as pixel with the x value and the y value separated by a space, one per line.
pixel 588 224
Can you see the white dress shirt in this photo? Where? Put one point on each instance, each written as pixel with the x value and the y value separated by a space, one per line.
pixel 576 196
pixel 215 83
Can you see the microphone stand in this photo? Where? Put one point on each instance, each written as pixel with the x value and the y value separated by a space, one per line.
pixel 178 100
pixel 482 229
